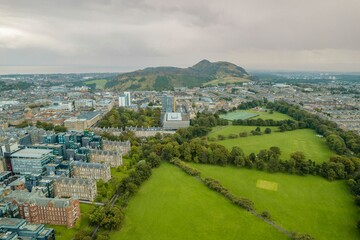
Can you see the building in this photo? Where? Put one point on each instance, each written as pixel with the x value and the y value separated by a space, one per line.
pixel 84 104
pixel 57 149
pixel 30 160
pixel 175 120
pixel 91 170
pixel 125 99
pixel 14 228
pixel 83 121
pixel 35 208
pixel 9 210
pixel 123 147
pixel 114 158
pixel 168 103
pixel 84 189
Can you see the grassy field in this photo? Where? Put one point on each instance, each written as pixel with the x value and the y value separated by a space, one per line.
pixel 115 173
pixel 230 129
pixel 62 233
pixel 173 205
pixel 304 140
pixel 310 204
pixel 245 114
pixel 100 83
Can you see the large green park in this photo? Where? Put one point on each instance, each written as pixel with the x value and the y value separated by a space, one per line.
pixel 173 205
pixel 177 201
pixel 308 204
pixel 304 140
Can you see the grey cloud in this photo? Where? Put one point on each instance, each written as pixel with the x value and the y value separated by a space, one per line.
pixel 139 33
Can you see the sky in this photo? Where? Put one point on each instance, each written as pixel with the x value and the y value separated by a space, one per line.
pixel 123 35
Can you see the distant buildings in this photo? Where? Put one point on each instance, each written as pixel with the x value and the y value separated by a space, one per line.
pixel 125 99
pixel 35 208
pixel 91 170
pixel 83 121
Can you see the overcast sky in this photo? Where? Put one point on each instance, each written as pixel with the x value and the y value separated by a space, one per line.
pixel 123 35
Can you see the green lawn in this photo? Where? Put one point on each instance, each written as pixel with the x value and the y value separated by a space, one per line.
pixel 119 175
pixel 62 233
pixel 173 205
pixel 230 129
pixel 310 204
pixel 305 140
pixel 246 114
pixel 100 83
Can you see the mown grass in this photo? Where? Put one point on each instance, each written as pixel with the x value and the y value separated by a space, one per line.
pixel 245 114
pixel 309 204
pixel 230 129
pixel 305 140
pixel 173 205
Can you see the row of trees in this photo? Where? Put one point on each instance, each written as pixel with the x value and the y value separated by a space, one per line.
pixel 44 125
pixel 239 201
pixel 262 122
pixel 208 120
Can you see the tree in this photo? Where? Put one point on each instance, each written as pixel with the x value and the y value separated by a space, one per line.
pixel 267 130
pixel 300 164
pixel 237 156
pixel 336 143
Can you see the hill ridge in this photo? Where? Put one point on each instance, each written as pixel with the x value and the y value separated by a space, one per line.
pixel 167 77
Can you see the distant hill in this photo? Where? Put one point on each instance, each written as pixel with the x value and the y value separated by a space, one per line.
pixel 166 78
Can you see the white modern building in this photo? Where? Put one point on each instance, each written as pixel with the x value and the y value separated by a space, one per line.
pixel 125 99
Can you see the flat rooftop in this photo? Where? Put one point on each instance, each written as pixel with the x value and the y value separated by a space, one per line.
pixel 174 116
pixel 88 115
pixel 11 222
pixel 31 153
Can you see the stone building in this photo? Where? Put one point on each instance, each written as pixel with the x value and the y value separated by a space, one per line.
pixel 84 189
pixel 91 170
pixel 114 158
pixel 35 208
pixel 123 147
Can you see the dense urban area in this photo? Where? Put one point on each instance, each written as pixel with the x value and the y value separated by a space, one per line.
pixel 74 150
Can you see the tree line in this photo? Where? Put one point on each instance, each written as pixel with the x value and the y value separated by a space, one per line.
pixel 44 125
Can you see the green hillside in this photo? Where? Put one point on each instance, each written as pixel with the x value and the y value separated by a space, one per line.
pixel 166 78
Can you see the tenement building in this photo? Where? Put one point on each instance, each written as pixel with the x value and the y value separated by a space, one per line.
pixel 123 147
pixel 35 208
pixel 114 158
pixel 84 189
pixel 91 170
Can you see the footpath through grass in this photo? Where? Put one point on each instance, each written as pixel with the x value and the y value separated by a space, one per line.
pixel 173 205
pixel 304 140
pixel 307 204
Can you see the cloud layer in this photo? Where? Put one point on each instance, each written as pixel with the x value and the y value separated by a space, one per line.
pixel 125 35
